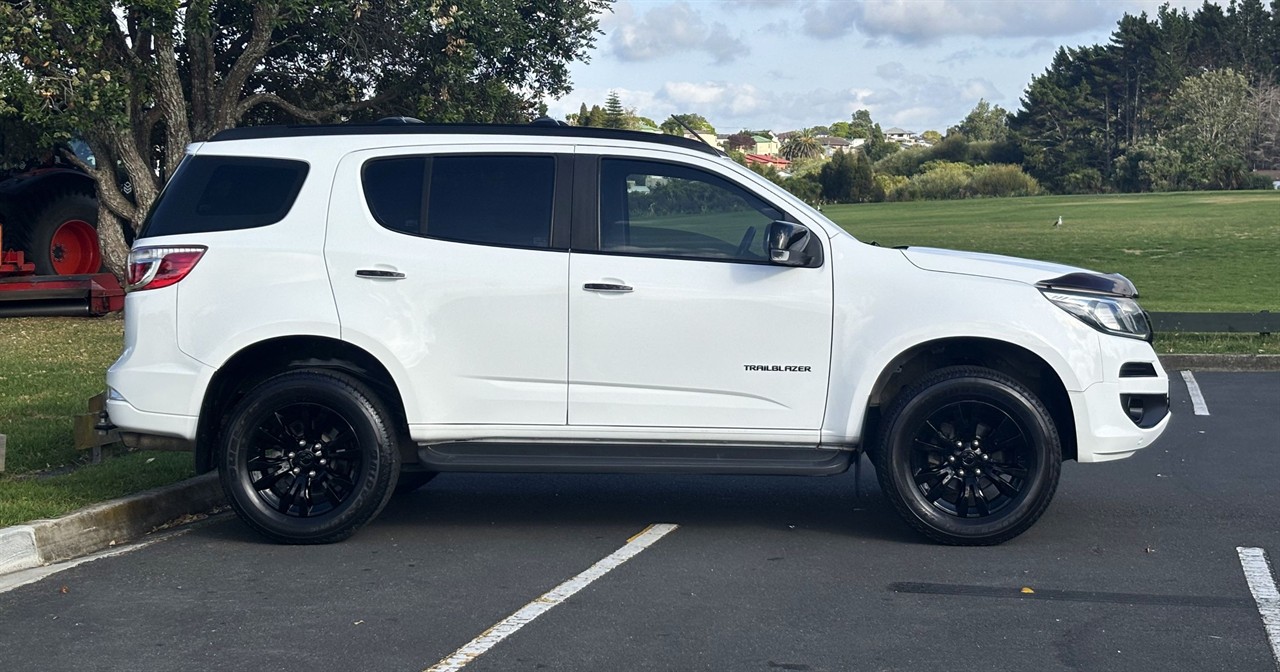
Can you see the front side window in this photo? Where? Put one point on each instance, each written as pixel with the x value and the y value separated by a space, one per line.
pixel 667 210
pixel 487 199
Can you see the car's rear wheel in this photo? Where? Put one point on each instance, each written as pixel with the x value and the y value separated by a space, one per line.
pixel 969 456
pixel 309 457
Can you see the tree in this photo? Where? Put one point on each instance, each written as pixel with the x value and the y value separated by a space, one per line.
pixel 614 114
pixel 840 178
pixel 697 122
pixel 741 141
pixel 1214 121
pixel 931 136
pixel 139 81
pixel 801 145
pixel 986 122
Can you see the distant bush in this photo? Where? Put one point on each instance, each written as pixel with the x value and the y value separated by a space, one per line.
pixel 1002 180
pixel 1258 181
pixel 1086 181
pixel 893 187
pixel 941 180
pixel 905 163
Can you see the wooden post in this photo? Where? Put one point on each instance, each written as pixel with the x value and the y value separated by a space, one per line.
pixel 2 442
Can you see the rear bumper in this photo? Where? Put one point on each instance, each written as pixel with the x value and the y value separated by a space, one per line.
pixel 129 419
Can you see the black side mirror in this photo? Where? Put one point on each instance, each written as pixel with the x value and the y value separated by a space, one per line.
pixel 788 243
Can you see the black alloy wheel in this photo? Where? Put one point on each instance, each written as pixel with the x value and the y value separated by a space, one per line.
pixel 969 456
pixel 309 457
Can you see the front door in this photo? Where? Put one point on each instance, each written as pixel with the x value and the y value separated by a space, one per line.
pixel 677 318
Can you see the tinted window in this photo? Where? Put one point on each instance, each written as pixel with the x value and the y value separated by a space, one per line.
pixel 676 211
pixel 491 199
pixel 221 193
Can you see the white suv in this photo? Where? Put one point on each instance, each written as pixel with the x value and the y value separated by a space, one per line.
pixel 327 314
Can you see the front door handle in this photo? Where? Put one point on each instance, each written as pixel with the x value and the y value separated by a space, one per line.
pixel 606 287
pixel 379 274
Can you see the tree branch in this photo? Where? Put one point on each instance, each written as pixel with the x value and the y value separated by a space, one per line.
pixel 264 17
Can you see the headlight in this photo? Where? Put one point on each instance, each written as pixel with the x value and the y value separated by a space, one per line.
pixel 1108 314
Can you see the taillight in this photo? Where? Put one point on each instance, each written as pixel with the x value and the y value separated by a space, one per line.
pixel 156 267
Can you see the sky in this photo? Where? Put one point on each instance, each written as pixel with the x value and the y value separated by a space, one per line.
pixel 786 64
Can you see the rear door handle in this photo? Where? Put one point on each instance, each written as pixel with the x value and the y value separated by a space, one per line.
pixel 379 274
pixel 606 287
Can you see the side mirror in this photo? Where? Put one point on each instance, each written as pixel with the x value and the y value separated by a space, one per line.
pixel 788 244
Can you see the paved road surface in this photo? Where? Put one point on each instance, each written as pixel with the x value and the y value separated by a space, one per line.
pixel 1134 567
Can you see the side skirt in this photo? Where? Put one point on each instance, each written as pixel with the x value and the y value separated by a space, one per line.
pixel 608 458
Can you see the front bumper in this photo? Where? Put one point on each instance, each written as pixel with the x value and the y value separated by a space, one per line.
pixel 1104 429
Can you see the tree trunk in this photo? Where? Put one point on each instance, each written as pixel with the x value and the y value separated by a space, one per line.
pixel 115 251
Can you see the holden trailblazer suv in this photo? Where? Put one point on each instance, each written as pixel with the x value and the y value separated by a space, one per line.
pixel 329 314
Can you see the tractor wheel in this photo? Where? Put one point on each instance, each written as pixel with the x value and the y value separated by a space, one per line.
pixel 63 237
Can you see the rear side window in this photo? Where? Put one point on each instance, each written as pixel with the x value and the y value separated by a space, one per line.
pixel 501 200
pixel 225 193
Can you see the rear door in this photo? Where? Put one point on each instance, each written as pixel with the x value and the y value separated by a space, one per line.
pixel 450 265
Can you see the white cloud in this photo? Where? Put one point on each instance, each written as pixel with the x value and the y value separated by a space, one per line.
pixel 927 22
pixel 668 30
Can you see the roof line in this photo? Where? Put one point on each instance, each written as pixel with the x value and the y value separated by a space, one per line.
pixel 265 132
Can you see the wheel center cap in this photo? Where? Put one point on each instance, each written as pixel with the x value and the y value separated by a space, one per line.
pixel 305 458
pixel 969 456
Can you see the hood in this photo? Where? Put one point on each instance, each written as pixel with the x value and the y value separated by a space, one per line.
pixel 1040 273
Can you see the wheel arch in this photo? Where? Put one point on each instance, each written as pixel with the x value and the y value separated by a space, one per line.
pixel 1013 360
pixel 264 359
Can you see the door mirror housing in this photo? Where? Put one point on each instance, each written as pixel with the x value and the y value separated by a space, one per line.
pixel 788 244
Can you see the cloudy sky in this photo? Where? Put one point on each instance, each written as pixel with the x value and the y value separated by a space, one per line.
pixel 786 64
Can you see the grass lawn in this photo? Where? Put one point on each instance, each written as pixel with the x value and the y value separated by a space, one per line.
pixel 49 367
pixel 1193 252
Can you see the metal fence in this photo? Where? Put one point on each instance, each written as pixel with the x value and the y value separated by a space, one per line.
pixel 1265 322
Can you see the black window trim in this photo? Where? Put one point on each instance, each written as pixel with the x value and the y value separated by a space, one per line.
pixel 561 197
pixel 586 213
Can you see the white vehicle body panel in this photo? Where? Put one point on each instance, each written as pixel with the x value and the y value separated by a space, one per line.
pixel 490 344
pixel 480 332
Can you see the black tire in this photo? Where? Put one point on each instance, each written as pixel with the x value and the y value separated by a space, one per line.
pixel 968 456
pixel 309 456
pixel 74 209
pixel 412 480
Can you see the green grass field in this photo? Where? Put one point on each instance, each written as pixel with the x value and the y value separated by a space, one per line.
pixel 49 367
pixel 1195 252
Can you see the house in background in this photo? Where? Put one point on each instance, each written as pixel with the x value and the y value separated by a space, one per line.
pixel 776 162
pixel 766 145
pixel 899 135
pixel 833 144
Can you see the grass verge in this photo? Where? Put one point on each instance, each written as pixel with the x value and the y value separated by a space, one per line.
pixel 49 367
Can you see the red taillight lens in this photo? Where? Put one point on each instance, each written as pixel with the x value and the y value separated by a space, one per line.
pixel 156 267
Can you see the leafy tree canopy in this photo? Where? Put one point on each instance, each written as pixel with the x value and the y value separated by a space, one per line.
pixel 141 80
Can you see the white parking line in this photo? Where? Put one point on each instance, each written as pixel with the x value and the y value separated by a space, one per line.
pixel 1257 572
pixel 509 625
pixel 1198 406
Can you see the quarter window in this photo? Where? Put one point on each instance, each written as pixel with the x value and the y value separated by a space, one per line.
pixel 487 199
pixel 661 209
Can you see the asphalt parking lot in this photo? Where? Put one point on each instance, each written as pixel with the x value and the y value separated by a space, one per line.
pixel 1134 567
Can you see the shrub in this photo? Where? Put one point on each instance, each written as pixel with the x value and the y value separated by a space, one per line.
pixel 941 180
pixel 1002 180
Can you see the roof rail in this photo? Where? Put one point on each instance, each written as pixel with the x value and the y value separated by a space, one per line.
pixel 409 128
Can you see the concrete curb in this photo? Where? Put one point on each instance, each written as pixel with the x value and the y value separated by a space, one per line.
pixel 1220 362
pixel 102 525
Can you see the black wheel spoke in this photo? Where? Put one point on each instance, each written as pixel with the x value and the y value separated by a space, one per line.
pixel 962 502
pixel 269 480
pixel 1003 486
pixel 324 475
pixel 980 498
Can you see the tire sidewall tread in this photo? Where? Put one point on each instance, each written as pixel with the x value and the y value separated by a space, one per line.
pixel 955 382
pixel 369 418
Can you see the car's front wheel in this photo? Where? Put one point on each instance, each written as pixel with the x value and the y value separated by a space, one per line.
pixel 309 456
pixel 969 456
